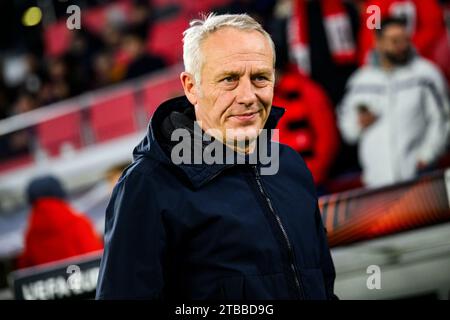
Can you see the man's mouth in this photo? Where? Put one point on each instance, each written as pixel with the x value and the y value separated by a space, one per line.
pixel 244 117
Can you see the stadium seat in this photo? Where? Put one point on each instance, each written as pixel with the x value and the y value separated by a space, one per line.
pixel 157 92
pixel 95 19
pixel 112 117
pixel 205 6
pixel 163 3
pixel 57 38
pixel 55 133
pixel 165 38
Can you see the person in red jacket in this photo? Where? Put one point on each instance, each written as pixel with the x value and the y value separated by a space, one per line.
pixel 309 124
pixel 55 231
pixel 425 21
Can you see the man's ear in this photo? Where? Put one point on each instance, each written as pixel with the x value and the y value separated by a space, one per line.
pixel 190 89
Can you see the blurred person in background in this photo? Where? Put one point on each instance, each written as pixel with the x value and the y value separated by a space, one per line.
pixel 32 81
pixel 321 40
pixel 25 102
pixel 57 85
pixel 111 37
pixel 79 59
pixel 103 70
pixel 141 17
pixel 55 230
pixel 309 124
pixel 141 62
pixel 396 108
pixel 424 23
pixel 321 36
pixel 16 144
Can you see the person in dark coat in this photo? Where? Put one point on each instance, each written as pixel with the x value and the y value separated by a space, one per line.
pixel 141 61
pixel 222 229
pixel 55 230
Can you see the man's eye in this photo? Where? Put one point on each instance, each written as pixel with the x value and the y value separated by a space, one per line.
pixel 229 79
pixel 261 78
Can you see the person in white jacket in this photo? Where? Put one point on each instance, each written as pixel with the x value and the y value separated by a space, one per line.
pixel 396 107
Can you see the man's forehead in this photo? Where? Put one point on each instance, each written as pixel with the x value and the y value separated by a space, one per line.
pixel 231 43
pixel 236 69
pixel 395 30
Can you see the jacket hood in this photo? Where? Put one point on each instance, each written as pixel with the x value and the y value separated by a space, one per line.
pixel 153 145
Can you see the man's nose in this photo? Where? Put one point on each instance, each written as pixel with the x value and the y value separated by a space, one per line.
pixel 246 92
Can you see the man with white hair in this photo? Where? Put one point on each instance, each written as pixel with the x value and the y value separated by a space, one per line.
pixel 186 221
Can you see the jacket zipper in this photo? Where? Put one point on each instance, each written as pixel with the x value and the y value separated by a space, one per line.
pixel 283 231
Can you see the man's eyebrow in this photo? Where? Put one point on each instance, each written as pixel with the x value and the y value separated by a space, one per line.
pixel 263 72
pixel 227 73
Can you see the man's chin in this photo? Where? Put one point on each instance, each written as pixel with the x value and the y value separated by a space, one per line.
pixel 242 136
pixel 399 59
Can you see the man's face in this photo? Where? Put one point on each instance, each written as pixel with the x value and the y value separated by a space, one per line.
pixel 237 80
pixel 394 44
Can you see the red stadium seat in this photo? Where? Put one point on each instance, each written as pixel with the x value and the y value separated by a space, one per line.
pixel 57 38
pixel 113 117
pixel 157 92
pixel 57 132
pixel 193 7
pixel 166 38
pixel 96 19
pixel 205 6
pixel 163 3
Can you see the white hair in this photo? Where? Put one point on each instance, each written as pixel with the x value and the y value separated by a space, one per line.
pixel 200 28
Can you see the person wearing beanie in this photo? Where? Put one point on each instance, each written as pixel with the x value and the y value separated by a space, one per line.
pixel 55 230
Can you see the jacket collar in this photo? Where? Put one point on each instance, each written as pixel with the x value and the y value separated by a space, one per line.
pixel 151 145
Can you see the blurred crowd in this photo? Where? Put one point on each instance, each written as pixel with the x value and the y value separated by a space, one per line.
pixel 352 95
pixel 31 77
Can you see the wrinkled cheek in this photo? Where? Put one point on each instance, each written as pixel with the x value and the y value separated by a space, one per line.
pixel 222 109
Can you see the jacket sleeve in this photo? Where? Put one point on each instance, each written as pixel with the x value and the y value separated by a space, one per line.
pixel 436 111
pixel 327 265
pixel 132 262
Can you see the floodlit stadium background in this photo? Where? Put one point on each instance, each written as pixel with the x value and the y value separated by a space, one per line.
pixel 74 103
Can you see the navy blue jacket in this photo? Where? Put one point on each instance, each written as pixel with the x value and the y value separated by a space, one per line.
pixel 213 231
